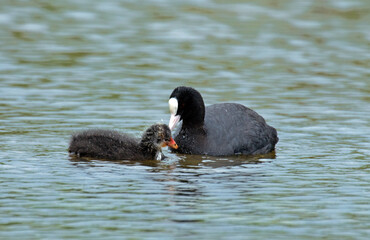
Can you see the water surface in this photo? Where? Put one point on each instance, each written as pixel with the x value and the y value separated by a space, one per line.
pixel 71 65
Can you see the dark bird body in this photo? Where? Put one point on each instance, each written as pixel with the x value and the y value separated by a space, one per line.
pixel 220 129
pixel 112 145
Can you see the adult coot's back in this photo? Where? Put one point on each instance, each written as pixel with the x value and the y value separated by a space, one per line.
pixel 219 129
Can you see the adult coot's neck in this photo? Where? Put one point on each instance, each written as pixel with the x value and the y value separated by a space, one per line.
pixel 190 106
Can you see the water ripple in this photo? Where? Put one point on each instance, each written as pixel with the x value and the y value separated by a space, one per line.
pixel 67 66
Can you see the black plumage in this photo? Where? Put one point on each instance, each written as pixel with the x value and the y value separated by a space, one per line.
pixel 113 145
pixel 219 129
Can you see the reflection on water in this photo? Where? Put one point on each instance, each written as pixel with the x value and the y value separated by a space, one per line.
pixel 191 161
pixel 86 161
pixel 185 161
pixel 71 65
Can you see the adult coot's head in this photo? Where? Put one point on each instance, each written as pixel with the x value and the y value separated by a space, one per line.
pixel 186 104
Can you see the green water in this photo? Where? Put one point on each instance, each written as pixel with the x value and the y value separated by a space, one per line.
pixel 71 65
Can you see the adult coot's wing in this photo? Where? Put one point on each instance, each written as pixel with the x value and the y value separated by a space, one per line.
pixel 233 128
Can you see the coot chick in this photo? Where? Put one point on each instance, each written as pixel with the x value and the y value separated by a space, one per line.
pixel 219 129
pixel 112 145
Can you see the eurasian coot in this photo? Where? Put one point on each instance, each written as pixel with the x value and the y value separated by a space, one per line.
pixel 112 145
pixel 219 129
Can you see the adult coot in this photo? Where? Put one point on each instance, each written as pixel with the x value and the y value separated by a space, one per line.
pixel 219 129
pixel 112 145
